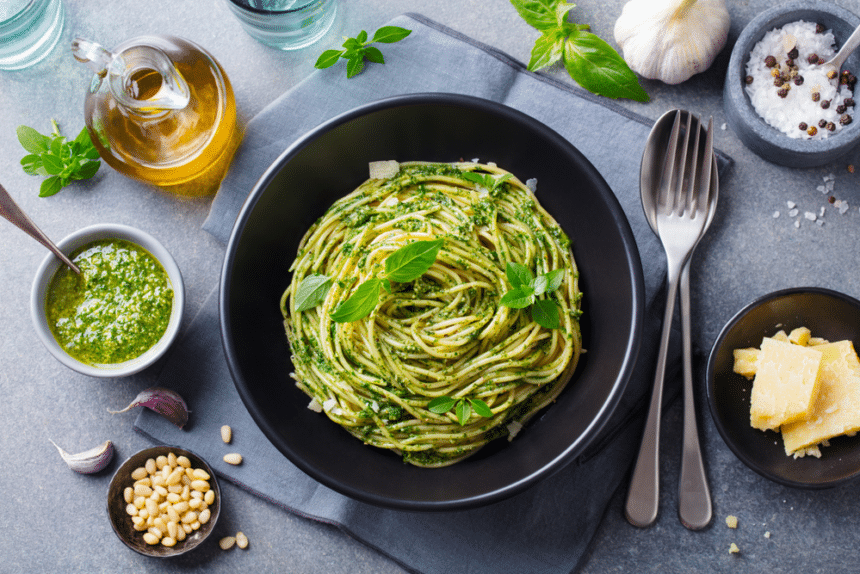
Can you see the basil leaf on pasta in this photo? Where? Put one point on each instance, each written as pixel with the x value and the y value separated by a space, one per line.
pixel 441 405
pixel 463 412
pixel 311 292
pixel 519 275
pixel 412 261
pixel 519 298
pixel 554 279
pixel 360 304
pixel 545 313
pixel 481 408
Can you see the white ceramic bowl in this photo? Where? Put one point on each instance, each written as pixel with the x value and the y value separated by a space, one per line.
pixel 50 265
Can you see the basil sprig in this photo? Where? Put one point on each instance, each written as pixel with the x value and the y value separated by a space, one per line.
pixel 490 182
pixel 590 61
pixel 462 408
pixel 404 265
pixel 357 49
pixel 59 160
pixel 526 289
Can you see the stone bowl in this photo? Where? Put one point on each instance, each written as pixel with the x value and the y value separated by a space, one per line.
pixel 762 138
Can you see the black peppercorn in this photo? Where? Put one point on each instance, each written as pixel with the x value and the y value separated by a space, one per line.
pixel 778 81
pixel 812 58
pixel 798 80
pixel 770 61
pixel 790 63
pixel 825 104
pixel 782 92
pixel 831 74
pixel 840 109
pixel 819 29
pixel 831 199
pixel 849 102
pixel 816 96
pixel 812 130
pixel 748 80
pixel 802 127
pixel 845 120
pixel 821 61
pixel 831 126
pixel 822 123
pixel 793 53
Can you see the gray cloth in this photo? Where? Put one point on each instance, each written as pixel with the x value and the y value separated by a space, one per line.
pixel 546 529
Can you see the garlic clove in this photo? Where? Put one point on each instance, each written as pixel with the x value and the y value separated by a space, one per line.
pixel 89 461
pixel 670 40
pixel 165 402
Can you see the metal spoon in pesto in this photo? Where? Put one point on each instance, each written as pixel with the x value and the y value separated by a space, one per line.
pixel 10 210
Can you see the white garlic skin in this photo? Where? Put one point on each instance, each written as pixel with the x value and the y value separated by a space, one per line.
pixel 670 40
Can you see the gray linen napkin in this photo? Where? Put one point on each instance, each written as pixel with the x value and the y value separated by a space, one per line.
pixel 546 529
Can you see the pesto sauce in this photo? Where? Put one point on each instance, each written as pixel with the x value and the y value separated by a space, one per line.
pixel 116 309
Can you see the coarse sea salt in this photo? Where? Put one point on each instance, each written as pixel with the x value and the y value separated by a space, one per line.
pixel 793 106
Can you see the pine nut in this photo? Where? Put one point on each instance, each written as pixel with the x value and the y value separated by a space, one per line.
pixel 183 461
pixel 168 541
pixel 226 434
pixel 200 474
pixel 241 540
pixel 150 466
pixel 139 473
pixel 209 497
pixel 233 458
pixel 227 542
pixel 204 516
pixel 150 538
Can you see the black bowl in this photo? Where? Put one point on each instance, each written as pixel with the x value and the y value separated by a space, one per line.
pixel 330 162
pixel 828 314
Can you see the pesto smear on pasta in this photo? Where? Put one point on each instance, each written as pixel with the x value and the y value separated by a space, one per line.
pixel 446 337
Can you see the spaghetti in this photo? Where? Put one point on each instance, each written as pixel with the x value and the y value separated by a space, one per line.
pixel 444 334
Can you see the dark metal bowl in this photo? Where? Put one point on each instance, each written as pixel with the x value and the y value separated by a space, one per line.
pixel 331 161
pixel 828 314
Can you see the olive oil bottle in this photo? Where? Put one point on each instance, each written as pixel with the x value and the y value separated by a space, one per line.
pixel 160 109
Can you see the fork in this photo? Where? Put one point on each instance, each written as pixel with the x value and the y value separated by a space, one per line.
pixel 682 211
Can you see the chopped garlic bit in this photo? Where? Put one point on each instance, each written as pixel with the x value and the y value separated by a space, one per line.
pixel 809 215
pixel 514 427
pixel 767 534
pixel 793 212
pixel 733 548
pixel 532 184
pixel 775 214
pixel 732 521
pixel 790 204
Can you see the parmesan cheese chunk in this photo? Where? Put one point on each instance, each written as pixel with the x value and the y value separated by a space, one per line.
pixel 746 361
pixel 383 169
pixel 837 408
pixel 786 384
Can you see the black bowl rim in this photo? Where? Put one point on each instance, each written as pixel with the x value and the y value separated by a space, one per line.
pixel 710 383
pixel 840 143
pixel 633 342
pixel 153 452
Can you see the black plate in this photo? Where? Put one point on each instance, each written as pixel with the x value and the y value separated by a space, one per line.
pixel 828 314
pixel 330 162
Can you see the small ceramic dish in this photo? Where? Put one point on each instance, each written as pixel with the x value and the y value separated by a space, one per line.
pixel 828 314
pixel 68 246
pixel 121 521
pixel 762 138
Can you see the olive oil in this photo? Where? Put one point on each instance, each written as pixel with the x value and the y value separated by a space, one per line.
pixel 165 114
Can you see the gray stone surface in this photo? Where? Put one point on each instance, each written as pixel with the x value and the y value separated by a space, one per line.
pixel 55 520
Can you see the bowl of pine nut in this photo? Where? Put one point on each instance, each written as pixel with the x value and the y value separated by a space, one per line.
pixel 163 501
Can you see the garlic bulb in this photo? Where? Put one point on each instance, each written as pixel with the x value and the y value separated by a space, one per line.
pixel 670 40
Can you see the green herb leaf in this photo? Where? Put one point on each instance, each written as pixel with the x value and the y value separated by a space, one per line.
pixel 52 155
pixel 481 408
pixel 412 261
pixel 441 405
pixel 463 412
pixel 539 14
pixel 519 275
pixel 599 69
pixel 33 141
pixel 390 34
pixel 554 279
pixel 360 304
pixel 50 186
pixel 328 58
pixel 357 50
pixel 545 313
pixel 312 291
pixel 548 50
pixel 518 298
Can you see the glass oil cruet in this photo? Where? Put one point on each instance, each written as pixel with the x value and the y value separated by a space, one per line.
pixel 160 109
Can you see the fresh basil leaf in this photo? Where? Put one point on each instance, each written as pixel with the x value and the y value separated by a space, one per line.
pixel 545 313
pixel 390 34
pixel 354 66
pixel 361 38
pixel 539 14
pixel 481 408
pixel 386 284
pixel 519 298
pixel 352 44
pixel 360 304
pixel 412 261
pixel 519 275
pixel 50 186
pixel 87 170
pixel 441 405
pixel 554 279
pixel 479 178
pixel 548 50
pixel 328 59
pixel 53 164
pixel 374 55
pixel 463 412
pixel 540 284
pixel 32 141
pixel 561 9
pixel 598 68
pixel 312 291
pixel 57 146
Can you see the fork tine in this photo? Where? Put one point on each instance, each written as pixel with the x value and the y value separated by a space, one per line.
pixel 708 160
pixel 679 198
pixel 690 200
pixel 665 199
